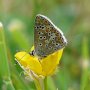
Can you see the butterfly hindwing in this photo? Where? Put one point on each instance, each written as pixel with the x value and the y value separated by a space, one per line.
pixel 47 37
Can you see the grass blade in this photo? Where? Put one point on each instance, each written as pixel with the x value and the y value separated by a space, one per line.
pixel 4 68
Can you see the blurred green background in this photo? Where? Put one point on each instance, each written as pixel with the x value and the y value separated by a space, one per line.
pixel 71 16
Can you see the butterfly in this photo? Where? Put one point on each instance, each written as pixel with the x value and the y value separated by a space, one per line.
pixel 47 37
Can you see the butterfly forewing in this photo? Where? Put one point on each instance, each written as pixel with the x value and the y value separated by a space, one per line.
pixel 47 37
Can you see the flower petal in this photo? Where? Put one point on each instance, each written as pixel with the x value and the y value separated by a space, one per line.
pixel 45 66
pixel 50 63
pixel 28 62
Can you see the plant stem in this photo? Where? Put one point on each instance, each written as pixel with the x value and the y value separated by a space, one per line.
pixel 40 83
pixel 36 81
pixel 85 60
pixel 45 83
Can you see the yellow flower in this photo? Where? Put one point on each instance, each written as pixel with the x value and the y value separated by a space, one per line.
pixel 44 67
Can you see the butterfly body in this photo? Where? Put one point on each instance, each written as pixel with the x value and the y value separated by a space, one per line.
pixel 47 37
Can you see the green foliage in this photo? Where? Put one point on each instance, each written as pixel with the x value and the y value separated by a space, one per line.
pixel 17 34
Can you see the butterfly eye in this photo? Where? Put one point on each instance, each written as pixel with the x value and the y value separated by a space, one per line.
pixel 32 53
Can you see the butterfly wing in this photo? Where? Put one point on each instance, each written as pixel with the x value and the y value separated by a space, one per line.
pixel 47 37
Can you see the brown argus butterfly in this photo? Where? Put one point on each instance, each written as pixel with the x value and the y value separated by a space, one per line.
pixel 47 37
